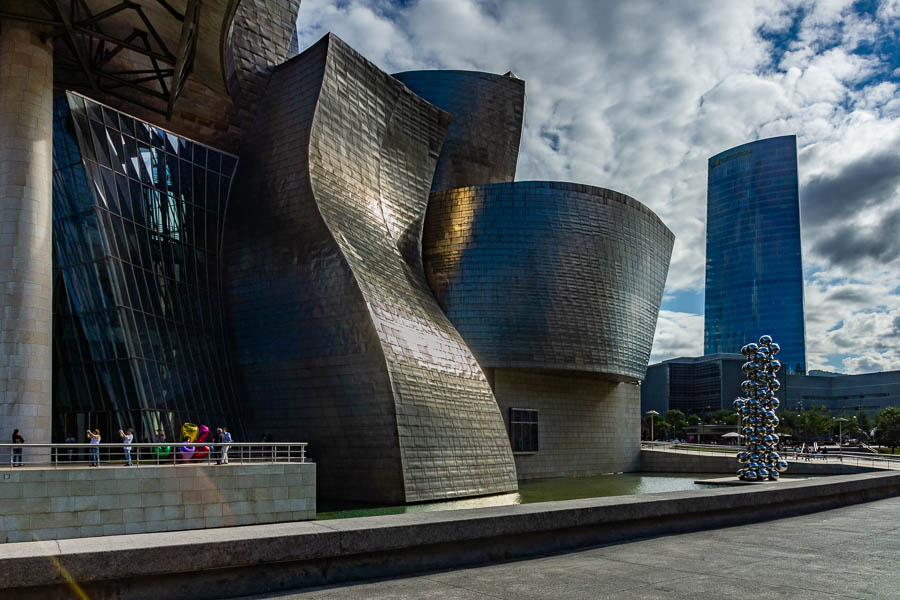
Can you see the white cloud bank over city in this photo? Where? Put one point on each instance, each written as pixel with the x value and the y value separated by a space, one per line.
pixel 635 96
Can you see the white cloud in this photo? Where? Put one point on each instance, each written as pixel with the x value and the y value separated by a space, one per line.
pixel 639 94
pixel 676 335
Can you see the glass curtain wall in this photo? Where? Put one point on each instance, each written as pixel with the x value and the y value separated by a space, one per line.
pixel 754 273
pixel 138 214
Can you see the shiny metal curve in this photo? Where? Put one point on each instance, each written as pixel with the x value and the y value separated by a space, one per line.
pixel 338 338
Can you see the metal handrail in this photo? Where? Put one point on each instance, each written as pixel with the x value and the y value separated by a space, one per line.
pixel 877 461
pixel 145 454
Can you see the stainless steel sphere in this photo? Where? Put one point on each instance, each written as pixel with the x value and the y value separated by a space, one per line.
pixel 765 340
pixel 749 368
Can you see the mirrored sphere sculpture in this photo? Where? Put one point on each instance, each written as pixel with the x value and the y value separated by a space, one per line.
pixel 760 460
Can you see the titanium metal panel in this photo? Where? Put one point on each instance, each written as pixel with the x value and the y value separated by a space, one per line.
pixel 482 144
pixel 137 219
pixel 337 336
pixel 549 275
pixel 754 271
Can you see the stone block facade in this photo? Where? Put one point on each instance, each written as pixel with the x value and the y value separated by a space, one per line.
pixel 55 504
pixel 586 426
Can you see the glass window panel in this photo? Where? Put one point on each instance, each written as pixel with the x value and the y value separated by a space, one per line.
pixel 131 157
pixel 157 138
pixel 213 160
pixel 109 190
pixel 186 180
pixel 127 124
pixel 86 143
pixel 134 298
pixel 110 118
pixel 143 132
pixel 199 186
pixel 228 164
pixel 200 155
pixel 117 152
pixel 171 143
pixel 158 169
pixel 212 192
pixel 94 110
pixel 172 172
pixel 134 246
pixel 98 134
pixel 137 202
pixel 145 164
pixel 125 203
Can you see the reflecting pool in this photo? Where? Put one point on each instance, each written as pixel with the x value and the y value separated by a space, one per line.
pixel 541 490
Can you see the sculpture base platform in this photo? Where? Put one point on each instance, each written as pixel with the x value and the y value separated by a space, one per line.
pixel 736 481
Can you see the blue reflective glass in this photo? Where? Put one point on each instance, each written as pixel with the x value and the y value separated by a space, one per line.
pixel 754 274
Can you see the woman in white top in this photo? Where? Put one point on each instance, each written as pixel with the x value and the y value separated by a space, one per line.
pixel 94 437
pixel 127 436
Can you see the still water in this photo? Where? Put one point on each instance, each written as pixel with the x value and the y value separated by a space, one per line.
pixel 542 490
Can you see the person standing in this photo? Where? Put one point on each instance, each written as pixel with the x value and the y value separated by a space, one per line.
pixel 220 440
pixel 226 445
pixel 94 438
pixel 127 437
pixel 17 452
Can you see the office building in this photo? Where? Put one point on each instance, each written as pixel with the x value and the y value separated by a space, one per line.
pixel 754 272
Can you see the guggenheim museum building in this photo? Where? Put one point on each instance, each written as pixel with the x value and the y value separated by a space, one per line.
pixel 198 224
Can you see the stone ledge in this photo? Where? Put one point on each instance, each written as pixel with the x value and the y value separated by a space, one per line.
pixel 253 559
pixel 662 461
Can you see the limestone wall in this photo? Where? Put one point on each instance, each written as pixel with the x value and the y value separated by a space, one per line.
pixel 586 426
pixel 47 504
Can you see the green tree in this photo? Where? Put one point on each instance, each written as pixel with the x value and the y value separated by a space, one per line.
pixel 661 428
pixel 887 427
pixel 676 419
pixel 788 423
pixel 815 422
pixel 728 417
pixel 693 420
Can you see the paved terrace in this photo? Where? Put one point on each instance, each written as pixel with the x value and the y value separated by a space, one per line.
pixel 848 553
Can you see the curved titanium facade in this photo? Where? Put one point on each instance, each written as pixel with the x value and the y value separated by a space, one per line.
pixel 482 144
pixel 338 339
pixel 547 275
pixel 137 220
pixel 754 271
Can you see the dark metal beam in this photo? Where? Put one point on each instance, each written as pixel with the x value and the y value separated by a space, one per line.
pixel 92 49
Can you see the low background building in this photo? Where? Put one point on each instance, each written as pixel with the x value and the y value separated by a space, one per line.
pixel 702 384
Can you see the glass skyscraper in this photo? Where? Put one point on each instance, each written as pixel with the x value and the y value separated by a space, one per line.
pixel 754 272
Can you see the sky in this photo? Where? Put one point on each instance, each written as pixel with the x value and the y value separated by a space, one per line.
pixel 636 96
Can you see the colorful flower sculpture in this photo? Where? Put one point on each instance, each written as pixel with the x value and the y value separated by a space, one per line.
pixel 201 452
pixel 188 434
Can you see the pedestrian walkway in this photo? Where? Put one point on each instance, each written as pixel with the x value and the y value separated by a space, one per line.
pixel 848 553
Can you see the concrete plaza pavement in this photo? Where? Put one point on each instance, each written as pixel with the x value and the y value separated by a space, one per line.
pixel 850 552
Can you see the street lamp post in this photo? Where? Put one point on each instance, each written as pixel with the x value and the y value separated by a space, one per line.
pixel 652 414
pixel 840 421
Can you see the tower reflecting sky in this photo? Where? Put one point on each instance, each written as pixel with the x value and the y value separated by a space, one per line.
pixel 754 272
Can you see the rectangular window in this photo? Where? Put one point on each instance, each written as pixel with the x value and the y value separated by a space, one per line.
pixel 523 429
